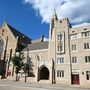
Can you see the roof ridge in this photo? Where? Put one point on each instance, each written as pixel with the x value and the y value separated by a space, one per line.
pixel 37 46
pixel 15 31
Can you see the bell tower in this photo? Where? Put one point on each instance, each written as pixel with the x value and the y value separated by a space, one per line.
pixel 52 41
pixel 54 18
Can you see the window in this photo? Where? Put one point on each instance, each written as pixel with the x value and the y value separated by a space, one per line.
pixel 73 36
pixel 60 60
pixel 73 47
pixel 52 25
pixel 86 45
pixel 60 73
pixel 87 59
pixel 88 75
pixel 85 34
pixel 3 31
pixel 59 36
pixel 61 47
pixel 60 21
pixel 58 48
pixel 1 45
pixel 74 59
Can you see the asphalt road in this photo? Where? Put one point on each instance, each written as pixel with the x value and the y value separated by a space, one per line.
pixel 12 85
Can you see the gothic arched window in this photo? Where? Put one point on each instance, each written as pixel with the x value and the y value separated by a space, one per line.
pixel 1 45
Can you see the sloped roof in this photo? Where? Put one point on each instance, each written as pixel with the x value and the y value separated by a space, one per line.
pixel 16 33
pixel 36 46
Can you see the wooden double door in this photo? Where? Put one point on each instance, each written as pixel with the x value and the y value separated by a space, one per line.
pixel 75 79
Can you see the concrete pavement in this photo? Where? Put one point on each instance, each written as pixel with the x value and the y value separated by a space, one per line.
pixel 13 85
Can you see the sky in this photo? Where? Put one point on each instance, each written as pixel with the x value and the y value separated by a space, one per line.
pixel 32 17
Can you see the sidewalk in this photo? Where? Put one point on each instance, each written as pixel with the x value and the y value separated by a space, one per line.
pixel 40 85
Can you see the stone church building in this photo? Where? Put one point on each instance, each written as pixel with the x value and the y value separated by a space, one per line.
pixel 11 41
pixel 64 59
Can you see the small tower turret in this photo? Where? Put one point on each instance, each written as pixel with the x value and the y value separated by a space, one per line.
pixel 54 16
pixel 53 19
pixel 52 23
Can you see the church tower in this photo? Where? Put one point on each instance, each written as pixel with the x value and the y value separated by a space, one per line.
pixel 53 19
pixel 52 22
pixel 52 46
pixel 59 46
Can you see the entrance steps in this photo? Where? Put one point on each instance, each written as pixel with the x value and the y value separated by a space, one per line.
pixel 44 81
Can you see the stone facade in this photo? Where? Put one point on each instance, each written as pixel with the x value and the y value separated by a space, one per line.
pixel 67 56
pixel 64 59
pixel 10 41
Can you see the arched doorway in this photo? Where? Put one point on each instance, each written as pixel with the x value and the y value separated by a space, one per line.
pixel 44 73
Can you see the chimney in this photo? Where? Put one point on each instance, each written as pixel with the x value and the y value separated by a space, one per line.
pixel 42 38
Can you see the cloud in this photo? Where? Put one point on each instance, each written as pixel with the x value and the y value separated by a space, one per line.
pixel 80 25
pixel 46 39
pixel 76 10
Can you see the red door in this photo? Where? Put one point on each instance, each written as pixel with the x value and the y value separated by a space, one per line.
pixel 75 79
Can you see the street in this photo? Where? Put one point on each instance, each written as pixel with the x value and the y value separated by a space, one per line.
pixel 13 85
